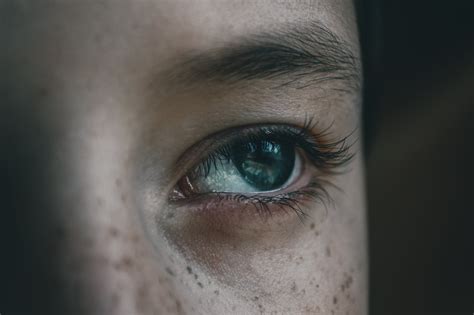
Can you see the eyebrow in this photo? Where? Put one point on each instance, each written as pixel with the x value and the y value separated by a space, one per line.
pixel 295 55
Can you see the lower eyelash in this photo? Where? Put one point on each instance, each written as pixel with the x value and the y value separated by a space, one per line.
pixel 288 202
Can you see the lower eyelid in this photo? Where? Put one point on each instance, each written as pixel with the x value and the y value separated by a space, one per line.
pixel 236 216
pixel 231 215
pixel 262 205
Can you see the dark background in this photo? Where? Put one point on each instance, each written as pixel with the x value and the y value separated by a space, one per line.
pixel 419 125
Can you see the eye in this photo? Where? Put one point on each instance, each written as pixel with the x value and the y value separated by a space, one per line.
pixel 265 166
pixel 256 166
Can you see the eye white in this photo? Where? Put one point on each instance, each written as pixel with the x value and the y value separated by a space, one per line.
pixel 225 177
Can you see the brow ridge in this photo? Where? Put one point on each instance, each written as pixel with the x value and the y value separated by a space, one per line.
pixel 293 55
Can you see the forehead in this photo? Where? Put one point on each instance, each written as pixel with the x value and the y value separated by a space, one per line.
pixel 179 24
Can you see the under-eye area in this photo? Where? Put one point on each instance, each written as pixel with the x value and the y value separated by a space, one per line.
pixel 264 170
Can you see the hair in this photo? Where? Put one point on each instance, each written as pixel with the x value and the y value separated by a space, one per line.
pixel 369 25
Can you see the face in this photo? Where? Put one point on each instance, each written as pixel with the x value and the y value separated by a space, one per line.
pixel 184 157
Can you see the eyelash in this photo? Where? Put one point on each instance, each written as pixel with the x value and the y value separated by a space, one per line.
pixel 326 156
pixel 292 201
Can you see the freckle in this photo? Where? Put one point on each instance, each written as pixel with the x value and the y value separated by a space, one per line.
pixel 216 292
pixel 113 231
pixel 334 300
pixel 123 197
pixel 328 251
pixel 349 281
pixel 190 271
pixel 195 276
pixel 142 292
pixel 179 308
pixel 316 233
pixel 169 271
pixel 160 279
pixel 134 238
pixel 255 298
pixel 317 286
pixel 312 226
pixel 127 262
pixel 200 285
pixel 293 287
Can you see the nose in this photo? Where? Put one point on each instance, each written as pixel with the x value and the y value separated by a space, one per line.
pixel 74 241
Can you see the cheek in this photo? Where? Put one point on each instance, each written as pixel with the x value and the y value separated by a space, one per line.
pixel 89 235
pixel 318 266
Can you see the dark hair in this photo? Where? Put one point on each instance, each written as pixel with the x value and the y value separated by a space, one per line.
pixel 369 24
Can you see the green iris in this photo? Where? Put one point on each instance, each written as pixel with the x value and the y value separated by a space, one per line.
pixel 265 165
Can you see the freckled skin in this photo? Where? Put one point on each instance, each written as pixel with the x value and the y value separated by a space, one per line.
pixel 102 237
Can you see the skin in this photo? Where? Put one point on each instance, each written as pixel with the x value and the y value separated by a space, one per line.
pixel 96 128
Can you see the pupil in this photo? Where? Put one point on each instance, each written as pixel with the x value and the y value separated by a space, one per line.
pixel 266 165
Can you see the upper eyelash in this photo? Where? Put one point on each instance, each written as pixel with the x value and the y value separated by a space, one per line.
pixel 327 156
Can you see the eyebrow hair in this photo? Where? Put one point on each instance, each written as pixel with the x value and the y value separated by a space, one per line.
pixel 295 55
